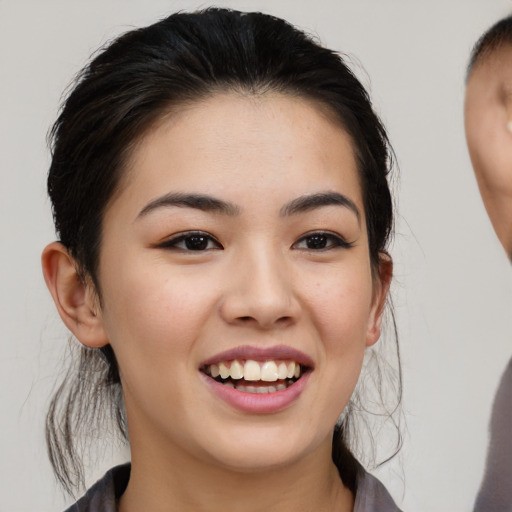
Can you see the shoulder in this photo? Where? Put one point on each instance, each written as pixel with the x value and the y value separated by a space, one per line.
pixel 372 496
pixel 103 495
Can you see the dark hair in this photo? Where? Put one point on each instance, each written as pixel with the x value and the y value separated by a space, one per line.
pixel 129 85
pixel 499 35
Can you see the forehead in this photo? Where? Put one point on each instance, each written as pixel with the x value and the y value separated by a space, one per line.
pixel 231 140
pixel 491 75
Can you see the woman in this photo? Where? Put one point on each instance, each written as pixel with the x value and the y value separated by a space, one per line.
pixel 219 191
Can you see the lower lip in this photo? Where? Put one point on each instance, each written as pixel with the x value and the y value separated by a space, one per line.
pixel 258 403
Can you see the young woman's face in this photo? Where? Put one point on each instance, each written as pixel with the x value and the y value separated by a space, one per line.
pixel 488 120
pixel 237 244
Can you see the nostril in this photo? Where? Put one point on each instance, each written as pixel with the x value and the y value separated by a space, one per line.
pixel 281 320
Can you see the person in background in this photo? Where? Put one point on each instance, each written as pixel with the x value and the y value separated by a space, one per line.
pixel 488 126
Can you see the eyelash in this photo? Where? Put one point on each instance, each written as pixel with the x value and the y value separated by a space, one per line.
pixel 201 236
pixel 333 240
pixel 203 240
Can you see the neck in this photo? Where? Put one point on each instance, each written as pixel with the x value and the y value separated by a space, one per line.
pixel 177 482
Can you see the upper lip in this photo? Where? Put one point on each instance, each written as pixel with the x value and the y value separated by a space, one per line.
pixel 278 352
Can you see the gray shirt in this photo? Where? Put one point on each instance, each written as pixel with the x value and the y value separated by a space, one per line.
pixel 371 495
pixel 495 493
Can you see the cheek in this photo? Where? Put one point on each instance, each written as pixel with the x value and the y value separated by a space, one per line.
pixel 154 324
pixel 154 314
pixel 490 148
pixel 341 305
pixel 342 309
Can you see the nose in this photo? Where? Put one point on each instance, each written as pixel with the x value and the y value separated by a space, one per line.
pixel 260 291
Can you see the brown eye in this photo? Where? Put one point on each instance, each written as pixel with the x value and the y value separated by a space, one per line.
pixel 196 243
pixel 316 242
pixel 321 241
pixel 192 241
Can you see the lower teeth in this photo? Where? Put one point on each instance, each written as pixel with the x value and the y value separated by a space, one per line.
pixel 259 389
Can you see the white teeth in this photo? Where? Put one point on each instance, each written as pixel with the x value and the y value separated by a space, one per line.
pixel 252 370
pixel 269 372
pixel 224 370
pixel 258 389
pixel 282 371
pixel 236 371
pixel 214 370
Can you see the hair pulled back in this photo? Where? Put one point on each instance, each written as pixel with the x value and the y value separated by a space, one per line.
pixel 133 82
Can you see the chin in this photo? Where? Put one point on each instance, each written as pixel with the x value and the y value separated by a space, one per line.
pixel 262 450
pixel 252 461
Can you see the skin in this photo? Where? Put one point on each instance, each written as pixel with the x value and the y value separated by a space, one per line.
pixel 488 122
pixel 165 309
pixel 488 112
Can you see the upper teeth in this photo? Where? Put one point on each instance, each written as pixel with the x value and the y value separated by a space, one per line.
pixel 267 371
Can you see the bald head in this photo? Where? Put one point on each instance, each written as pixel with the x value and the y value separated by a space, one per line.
pixel 488 124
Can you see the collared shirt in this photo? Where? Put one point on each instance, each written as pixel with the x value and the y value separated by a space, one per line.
pixel 103 496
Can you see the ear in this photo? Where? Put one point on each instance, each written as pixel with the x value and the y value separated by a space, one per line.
pixel 380 292
pixel 75 299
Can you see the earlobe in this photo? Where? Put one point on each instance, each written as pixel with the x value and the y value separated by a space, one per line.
pixel 75 299
pixel 380 293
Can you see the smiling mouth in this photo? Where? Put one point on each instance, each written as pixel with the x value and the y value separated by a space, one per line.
pixel 258 377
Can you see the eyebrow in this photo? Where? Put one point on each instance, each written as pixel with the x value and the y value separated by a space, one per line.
pixel 208 203
pixel 201 202
pixel 313 201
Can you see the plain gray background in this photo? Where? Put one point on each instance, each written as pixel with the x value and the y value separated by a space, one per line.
pixel 453 284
